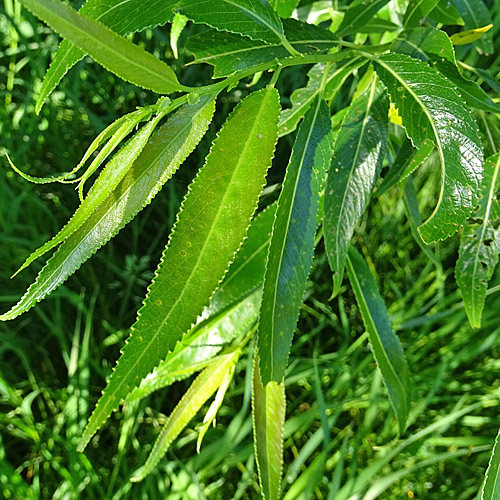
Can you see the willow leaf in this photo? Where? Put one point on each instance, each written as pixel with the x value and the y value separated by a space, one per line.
pixel 268 411
pixel 480 246
pixel 159 160
pixel 431 109
pixel 122 16
pixel 357 161
pixel 200 391
pixel 431 45
pixel 446 13
pixel 292 243
pixel 358 14
pixel 476 15
pixel 416 11
pixel 385 344
pixel 199 346
pixel 118 55
pixel 302 98
pixel 228 52
pixel 491 486
pixel 211 225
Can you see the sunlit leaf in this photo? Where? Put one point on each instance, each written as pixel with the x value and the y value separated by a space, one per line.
pixel 491 486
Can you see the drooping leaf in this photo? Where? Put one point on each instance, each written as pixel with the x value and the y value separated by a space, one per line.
pixel 122 16
pixel 476 15
pixel 302 98
pixel 201 344
pixel 268 411
pixel 385 344
pixel 480 245
pixel 292 243
pixel 491 486
pixel 446 13
pixel 200 391
pixel 358 14
pixel 159 160
pixel 356 164
pixel 469 36
pixel 284 8
pixel 431 109
pixel 122 57
pixel 228 52
pixel 407 161
pixel 211 225
pixel 428 44
pixel 416 11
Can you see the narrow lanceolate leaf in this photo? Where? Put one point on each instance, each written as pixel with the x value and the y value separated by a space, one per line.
pixel 118 55
pixel 358 155
pixel 292 243
pixel 268 410
pixel 385 344
pixel 417 11
pixel 435 46
pixel 104 185
pixel 480 246
pixel 159 160
pixel 491 486
pixel 200 391
pixel 358 14
pixel 122 16
pixel 210 227
pixel 431 109
pixel 228 52
pixel 302 98
pixel 476 15
pixel 201 344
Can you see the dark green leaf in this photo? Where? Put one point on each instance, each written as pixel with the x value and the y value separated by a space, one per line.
pixel 385 344
pixel 122 16
pixel 292 243
pixel 476 15
pixel 417 11
pixel 358 155
pixel 268 405
pixel 480 246
pixel 446 13
pixel 228 52
pixel 159 160
pixel 211 225
pixel 358 14
pixel 431 109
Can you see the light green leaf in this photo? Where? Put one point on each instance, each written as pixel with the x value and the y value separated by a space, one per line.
pixel 358 14
pixel 211 225
pixel 118 55
pixel 480 246
pixel 268 411
pixel 476 15
pixel 431 109
pixel 434 46
pixel 469 36
pixel 178 25
pixel 284 8
pixel 122 16
pixel 159 160
pixel 292 243
pixel 356 164
pixel 407 161
pixel 302 98
pixel 385 344
pixel 416 11
pixel 491 486
pixel 200 391
pixel 228 52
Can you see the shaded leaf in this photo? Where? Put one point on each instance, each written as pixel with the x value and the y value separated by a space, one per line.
pixel 210 227
pixel 476 15
pixel 268 411
pixel 417 11
pixel 358 14
pixel 385 344
pixel 431 109
pixel 356 164
pixel 122 57
pixel 446 13
pixel 159 160
pixel 292 242
pixel 491 486
pixel 480 246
